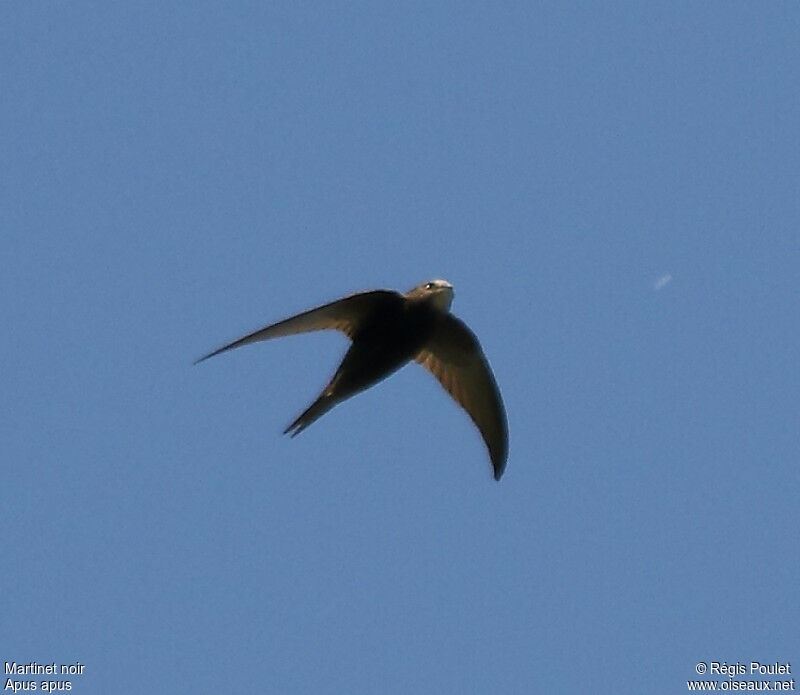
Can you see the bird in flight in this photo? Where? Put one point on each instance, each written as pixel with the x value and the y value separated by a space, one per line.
pixel 388 330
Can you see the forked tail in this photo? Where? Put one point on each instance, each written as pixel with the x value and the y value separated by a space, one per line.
pixel 315 411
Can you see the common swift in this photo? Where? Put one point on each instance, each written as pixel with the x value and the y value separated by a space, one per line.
pixel 388 330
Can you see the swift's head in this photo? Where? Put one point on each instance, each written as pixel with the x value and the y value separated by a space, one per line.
pixel 438 292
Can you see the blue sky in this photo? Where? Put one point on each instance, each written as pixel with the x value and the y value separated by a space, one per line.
pixel 175 176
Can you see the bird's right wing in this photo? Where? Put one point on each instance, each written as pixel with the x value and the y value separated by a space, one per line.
pixel 343 315
pixel 454 356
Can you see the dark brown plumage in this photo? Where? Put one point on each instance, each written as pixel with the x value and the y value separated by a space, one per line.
pixel 389 329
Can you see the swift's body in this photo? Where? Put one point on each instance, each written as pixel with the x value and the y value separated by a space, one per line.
pixel 388 330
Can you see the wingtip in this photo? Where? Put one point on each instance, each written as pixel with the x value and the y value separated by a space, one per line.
pixel 499 467
pixel 210 354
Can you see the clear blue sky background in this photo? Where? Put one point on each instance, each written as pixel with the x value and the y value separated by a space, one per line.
pixel 177 175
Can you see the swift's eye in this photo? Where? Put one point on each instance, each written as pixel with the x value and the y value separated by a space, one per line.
pixel 429 286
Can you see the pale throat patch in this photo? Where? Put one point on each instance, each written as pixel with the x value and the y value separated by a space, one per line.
pixel 442 299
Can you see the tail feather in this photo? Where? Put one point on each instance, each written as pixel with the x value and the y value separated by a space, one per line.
pixel 315 411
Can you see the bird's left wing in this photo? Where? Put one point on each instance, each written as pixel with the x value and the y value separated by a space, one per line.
pixel 343 315
pixel 454 356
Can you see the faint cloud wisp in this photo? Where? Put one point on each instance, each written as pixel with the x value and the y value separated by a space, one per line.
pixel 662 282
